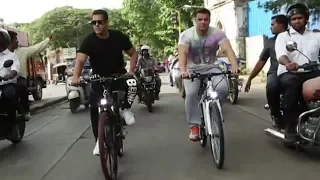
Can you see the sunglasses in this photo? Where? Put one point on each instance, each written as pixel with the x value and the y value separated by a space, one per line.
pixel 99 22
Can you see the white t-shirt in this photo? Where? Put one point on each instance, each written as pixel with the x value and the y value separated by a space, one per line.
pixel 308 43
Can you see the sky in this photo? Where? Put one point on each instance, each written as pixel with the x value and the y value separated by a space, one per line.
pixel 24 11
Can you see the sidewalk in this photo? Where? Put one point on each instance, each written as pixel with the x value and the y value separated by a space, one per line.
pixel 51 95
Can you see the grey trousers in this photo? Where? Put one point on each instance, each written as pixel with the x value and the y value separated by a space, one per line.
pixel 220 85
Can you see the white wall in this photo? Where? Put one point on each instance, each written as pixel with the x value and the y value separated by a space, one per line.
pixel 254 46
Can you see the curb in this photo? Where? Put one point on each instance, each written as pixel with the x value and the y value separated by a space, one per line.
pixel 38 108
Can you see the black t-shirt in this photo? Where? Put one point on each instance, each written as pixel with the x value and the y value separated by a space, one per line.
pixel 106 56
pixel 269 52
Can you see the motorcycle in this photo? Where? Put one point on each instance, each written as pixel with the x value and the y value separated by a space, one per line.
pixel 176 79
pixel 148 86
pixel 308 126
pixel 17 131
pixel 79 95
pixel 235 83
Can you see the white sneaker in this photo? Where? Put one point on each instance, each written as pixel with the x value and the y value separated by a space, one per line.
pixel 96 151
pixel 128 116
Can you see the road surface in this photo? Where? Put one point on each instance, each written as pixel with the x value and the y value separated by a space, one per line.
pixel 58 146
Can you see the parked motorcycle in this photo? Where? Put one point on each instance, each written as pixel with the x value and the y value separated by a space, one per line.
pixel 15 135
pixel 235 83
pixel 308 127
pixel 79 95
pixel 148 86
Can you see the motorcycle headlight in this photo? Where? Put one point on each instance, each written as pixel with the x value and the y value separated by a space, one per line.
pixel 148 78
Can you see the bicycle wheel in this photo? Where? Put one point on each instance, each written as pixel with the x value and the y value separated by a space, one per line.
pixel 108 154
pixel 217 137
pixel 234 91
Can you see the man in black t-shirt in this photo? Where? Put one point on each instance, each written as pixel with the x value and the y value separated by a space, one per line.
pixel 105 47
pixel 279 24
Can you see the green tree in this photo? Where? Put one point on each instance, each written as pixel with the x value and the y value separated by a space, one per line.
pixel 275 6
pixel 68 25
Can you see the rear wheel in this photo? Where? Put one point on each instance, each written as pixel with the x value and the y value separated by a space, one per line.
pixel 108 154
pixel 217 137
pixel 203 136
pixel 37 94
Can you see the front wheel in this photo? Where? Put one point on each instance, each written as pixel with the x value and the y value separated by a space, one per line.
pixel 108 154
pixel 217 136
pixel 74 105
pixel 148 101
pixel 18 133
pixel 234 91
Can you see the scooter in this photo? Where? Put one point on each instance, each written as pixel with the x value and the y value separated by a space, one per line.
pixel 15 135
pixel 79 95
pixel 308 127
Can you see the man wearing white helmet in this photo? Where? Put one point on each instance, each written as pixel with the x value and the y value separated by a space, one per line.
pixel 9 78
pixel 146 61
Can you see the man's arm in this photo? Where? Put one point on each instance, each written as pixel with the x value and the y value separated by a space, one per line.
pixel 183 49
pixel 263 58
pixel 82 57
pixel 225 46
pixel 129 49
pixel 280 48
pixel 30 51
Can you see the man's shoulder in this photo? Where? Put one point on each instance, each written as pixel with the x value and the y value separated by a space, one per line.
pixel 283 34
pixel 117 33
pixel 188 32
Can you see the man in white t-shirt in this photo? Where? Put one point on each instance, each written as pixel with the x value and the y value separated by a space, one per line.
pixel 292 78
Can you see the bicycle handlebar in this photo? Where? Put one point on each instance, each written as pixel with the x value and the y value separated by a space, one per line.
pixel 97 78
pixel 207 75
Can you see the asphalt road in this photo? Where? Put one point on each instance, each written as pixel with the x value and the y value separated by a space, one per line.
pixel 58 146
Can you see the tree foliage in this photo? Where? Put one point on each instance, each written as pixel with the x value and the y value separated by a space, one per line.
pixel 145 21
pixel 276 5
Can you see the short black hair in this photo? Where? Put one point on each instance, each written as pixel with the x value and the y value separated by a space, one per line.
pixel 202 11
pixel 13 35
pixel 281 19
pixel 101 12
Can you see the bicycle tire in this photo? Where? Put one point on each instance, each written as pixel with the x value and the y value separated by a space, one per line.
pixel 216 122
pixel 108 155
pixel 234 91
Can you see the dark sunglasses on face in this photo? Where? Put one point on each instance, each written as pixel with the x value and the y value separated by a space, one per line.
pixel 99 22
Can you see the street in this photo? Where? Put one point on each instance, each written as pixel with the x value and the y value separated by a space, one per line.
pixel 58 146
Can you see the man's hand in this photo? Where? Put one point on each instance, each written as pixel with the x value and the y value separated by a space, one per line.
pixel 234 69
pixel 130 72
pixel 6 77
pixel 292 66
pixel 248 85
pixel 75 81
pixel 316 30
pixel 50 37
pixel 184 74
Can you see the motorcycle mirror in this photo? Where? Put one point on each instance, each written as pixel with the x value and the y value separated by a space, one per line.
pixel 8 63
pixel 291 46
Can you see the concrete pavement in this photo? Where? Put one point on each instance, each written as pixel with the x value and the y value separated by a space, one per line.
pixel 51 95
pixel 59 146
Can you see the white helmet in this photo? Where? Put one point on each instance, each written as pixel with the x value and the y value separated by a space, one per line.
pixel 145 47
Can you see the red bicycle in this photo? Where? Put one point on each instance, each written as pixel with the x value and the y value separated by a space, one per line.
pixel 111 126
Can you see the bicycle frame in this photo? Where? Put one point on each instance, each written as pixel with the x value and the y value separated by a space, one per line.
pixel 207 96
